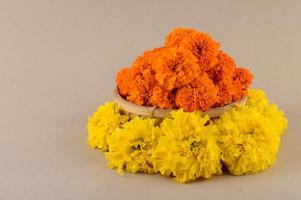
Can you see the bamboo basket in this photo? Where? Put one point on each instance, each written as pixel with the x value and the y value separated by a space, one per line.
pixel 147 111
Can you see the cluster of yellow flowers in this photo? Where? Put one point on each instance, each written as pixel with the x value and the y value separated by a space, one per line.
pixel 189 145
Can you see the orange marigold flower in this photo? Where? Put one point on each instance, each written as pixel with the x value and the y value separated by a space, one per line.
pixel 175 68
pixel 189 72
pixel 138 91
pixel 224 69
pixel 135 85
pixel 175 37
pixel 242 80
pixel 122 80
pixel 200 95
pixel 200 44
pixel 146 60
pixel 222 75
pixel 225 94
pixel 161 98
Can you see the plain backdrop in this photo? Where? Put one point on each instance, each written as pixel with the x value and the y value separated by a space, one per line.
pixel 58 60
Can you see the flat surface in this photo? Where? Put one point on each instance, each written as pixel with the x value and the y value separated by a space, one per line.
pixel 57 64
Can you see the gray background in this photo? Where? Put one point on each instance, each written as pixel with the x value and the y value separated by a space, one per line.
pixel 57 64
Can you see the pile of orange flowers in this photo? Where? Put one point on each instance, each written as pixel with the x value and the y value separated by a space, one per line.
pixel 189 72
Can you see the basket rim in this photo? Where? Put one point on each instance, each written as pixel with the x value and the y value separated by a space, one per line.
pixel 153 111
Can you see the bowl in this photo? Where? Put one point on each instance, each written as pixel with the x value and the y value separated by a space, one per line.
pixel 148 111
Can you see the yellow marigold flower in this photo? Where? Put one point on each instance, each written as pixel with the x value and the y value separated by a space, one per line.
pixel 257 98
pixel 250 135
pixel 103 123
pixel 188 145
pixel 187 149
pixel 130 146
pixel 276 118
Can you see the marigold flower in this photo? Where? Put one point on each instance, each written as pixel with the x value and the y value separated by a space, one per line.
pixel 103 123
pixel 224 70
pixel 166 77
pixel 135 85
pixel 175 68
pixel 130 146
pixel 200 95
pixel 258 99
pixel 146 60
pixel 242 80
pixel 123 80
pixel 187 148
pixel 189 74
pixel 200 44
pixel 189 145
pixel 161 97
pixel 222 75
pixel 175 37
pixel 250 136
pixel 138 91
